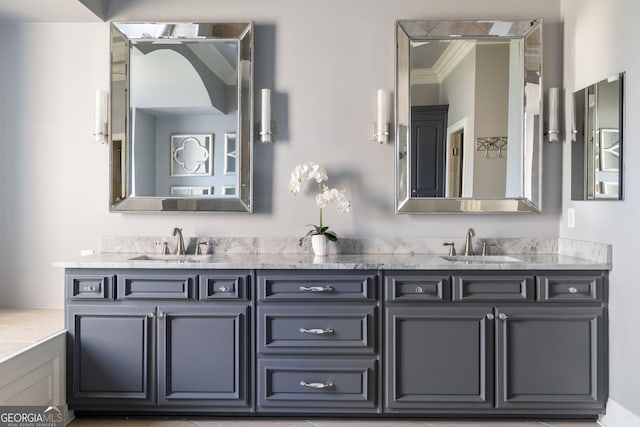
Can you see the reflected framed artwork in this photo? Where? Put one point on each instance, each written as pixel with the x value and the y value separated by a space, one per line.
pixel 191 155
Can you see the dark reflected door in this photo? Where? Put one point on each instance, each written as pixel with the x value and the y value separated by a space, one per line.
pixel 428 150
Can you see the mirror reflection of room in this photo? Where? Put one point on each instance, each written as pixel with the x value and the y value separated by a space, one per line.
pixel 460 116
pixel 596 154
pixel 183 101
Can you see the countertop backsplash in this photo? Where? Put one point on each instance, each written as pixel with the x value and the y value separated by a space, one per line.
pixel 593 251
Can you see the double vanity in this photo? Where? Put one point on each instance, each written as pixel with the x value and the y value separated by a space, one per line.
pixel 397 332
pixel 354 334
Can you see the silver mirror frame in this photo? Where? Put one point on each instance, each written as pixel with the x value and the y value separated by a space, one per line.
pixel 120 126
pixel 410 30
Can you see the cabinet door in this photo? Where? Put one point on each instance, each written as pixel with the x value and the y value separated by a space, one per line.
pixel 550 358
pixel 110 356
pixel 202 356
pixel 439 358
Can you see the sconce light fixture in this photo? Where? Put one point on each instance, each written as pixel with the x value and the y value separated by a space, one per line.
pixel 267 133
pixel 381 128
pixel 553 119
pixel 101 127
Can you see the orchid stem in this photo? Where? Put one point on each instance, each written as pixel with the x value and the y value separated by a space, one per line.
pixel 319 191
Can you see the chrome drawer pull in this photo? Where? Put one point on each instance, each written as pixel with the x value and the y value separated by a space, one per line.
pixel 327 384
pixel 573 290
pixel 89 288
pixel 317 331
pixel 327 288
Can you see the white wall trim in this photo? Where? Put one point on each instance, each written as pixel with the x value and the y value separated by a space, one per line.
pixel 618 416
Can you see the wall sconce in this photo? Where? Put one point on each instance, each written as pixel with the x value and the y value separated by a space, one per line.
pixel 381 128
pixel 553 119
pixel 101 127
pixel 267 132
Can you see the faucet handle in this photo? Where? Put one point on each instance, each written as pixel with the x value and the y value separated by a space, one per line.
pixel 452 248
pixel 165 247
pixel 485 248
pixel 199 246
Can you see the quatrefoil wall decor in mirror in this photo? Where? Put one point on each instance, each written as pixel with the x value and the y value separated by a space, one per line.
pixel 191 155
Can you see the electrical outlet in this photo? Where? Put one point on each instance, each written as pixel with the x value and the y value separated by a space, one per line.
pixel 86 252
pixel 571 217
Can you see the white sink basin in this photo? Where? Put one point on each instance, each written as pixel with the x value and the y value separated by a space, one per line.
pixel 171 258
pixel 486 259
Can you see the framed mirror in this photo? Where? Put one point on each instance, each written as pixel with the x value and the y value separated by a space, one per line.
pixel 596 152
pixel 181 117
pixel 468 116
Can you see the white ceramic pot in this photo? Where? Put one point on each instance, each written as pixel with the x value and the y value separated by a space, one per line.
pixel 319 245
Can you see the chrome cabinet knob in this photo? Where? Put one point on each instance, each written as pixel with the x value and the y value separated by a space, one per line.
pixel 490 316
pixel 151 314
pixel 502 316
pixel 573 290
pixel 419 290
pixel 161 315
pixel 224 288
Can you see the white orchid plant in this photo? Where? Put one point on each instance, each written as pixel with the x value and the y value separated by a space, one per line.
pixel 324 197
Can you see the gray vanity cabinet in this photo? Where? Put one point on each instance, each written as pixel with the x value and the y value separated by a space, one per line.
pixel 551 358
pixel 439 358
pixel 111 356
pixel 202 356
pixel 317 342
pixel 496 343
pixel 160 340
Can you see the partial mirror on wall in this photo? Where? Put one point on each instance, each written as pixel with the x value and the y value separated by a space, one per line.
pixel 596 151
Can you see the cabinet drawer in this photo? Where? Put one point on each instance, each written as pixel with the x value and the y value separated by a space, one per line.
pixel 165 285
pixel 304 384
pixel 89 286
pixel 493 288
pixel 316 330
pixel 417 287
pixel 297 285
pixel 579 288
pixel 224 285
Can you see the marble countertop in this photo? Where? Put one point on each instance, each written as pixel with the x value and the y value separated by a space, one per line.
pixel 335 261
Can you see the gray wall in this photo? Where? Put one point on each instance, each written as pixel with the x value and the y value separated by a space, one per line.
pixel 324 63
pixel 601 40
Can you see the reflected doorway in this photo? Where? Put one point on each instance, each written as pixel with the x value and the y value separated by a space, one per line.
pixel 455 156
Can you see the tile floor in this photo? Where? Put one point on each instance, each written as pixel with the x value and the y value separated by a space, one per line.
pixel 21 328
pixel 115 422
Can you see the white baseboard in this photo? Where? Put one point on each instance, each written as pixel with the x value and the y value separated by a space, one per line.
pixel 618 416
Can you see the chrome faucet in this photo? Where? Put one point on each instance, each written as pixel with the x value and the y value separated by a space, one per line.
pixel 468 242
pixel 180 245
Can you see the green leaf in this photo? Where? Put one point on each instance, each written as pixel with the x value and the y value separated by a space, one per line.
pixel 323 229
pixel 331 236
